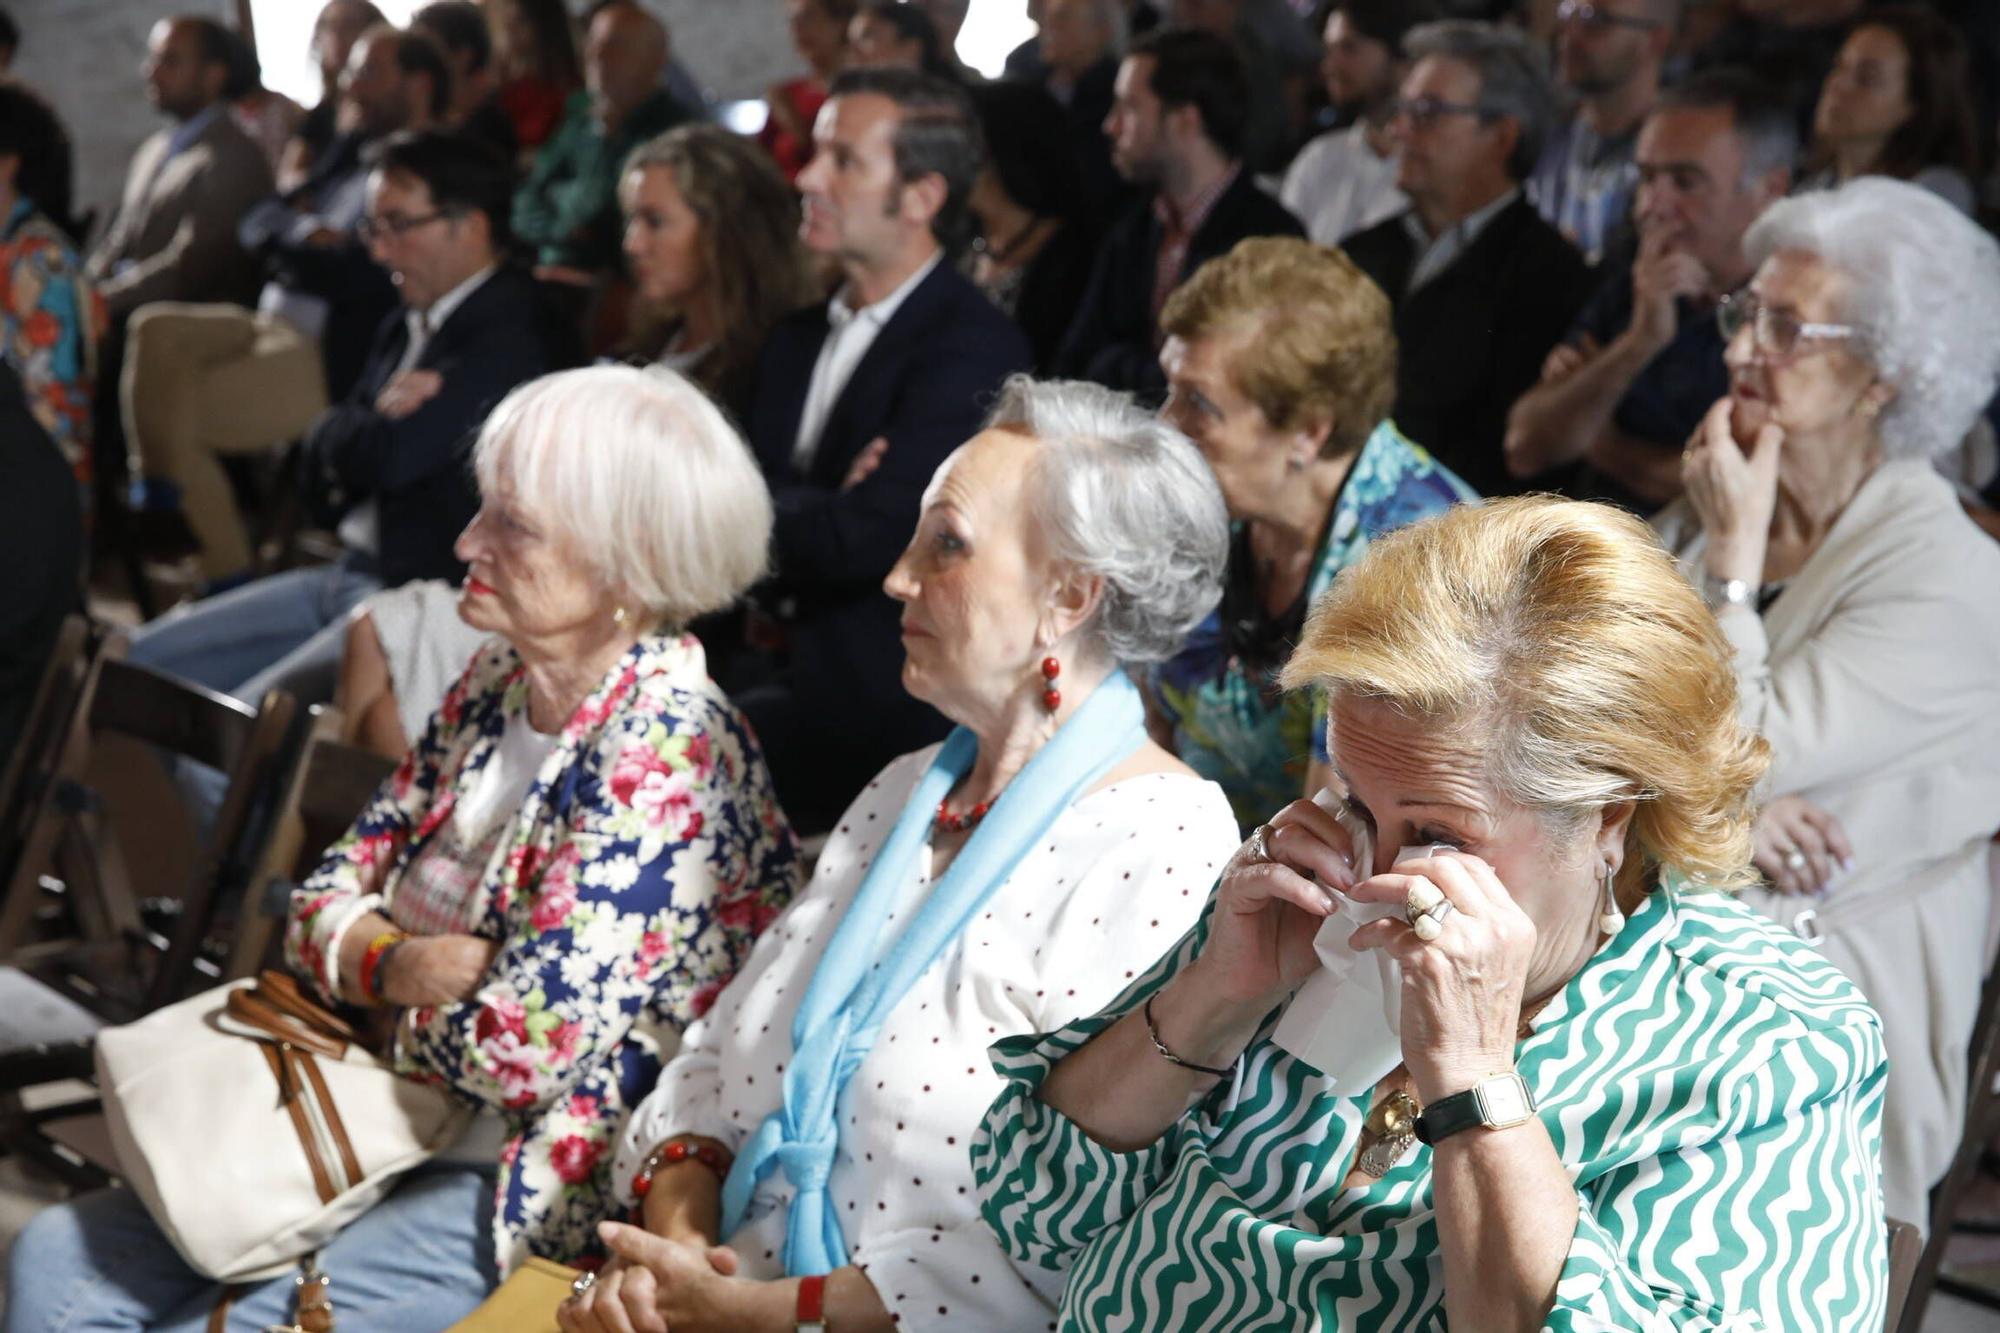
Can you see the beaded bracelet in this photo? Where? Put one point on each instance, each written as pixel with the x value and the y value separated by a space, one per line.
pixel 674 1151
pixel 373 971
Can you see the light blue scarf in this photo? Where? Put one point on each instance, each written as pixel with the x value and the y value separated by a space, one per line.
pixel 858 983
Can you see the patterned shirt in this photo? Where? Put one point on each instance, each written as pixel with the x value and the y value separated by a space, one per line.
pixel 1711 1084
pixel 1178 226
pixel 50 321
pixel 645 860
pixel 1231 722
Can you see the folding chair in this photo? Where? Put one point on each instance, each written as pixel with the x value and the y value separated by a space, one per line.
pixel 27 769
pixel 110 962
pixel 331 785
pixel 1906 1247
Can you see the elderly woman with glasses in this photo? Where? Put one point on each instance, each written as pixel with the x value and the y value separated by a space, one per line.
pixel 1281 365
pixel 1020 874
pixel 1486 1044
pixel 1861 603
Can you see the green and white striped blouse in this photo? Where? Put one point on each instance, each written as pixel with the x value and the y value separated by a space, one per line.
pixel 1712 1085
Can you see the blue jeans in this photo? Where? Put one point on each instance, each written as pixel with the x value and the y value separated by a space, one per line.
pixel 417 1262
pixel 282 632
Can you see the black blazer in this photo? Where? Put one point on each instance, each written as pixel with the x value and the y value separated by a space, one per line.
pixel 1472 340
pixel 418 468
pixel 42 546
pixel 925 385
pixel 1112 338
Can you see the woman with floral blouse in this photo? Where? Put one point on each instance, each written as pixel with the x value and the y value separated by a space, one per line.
pixel 564 872
pixel 1282 364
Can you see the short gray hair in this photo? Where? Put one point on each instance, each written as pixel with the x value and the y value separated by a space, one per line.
pixel 1513 79
pixel 1922 285
pixel 636 473
pixel 1124 496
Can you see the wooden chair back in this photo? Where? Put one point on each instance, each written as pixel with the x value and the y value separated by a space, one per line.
pixel 1906 1247
pixel 330 787
pixel 42 729
pixel 71 838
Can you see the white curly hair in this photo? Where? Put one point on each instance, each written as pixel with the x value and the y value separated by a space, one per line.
pixel 1125 496
pixel 1922 286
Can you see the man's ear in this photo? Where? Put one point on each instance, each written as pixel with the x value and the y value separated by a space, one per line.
pixel 1508 131
pixel 923 198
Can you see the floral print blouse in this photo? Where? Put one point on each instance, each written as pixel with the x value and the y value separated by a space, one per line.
pixel 648 856
pixel 50 321
pixel 1231 723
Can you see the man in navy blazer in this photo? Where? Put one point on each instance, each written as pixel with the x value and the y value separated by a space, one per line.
pixel 1177 121
pixel 858 402
pixel 390 463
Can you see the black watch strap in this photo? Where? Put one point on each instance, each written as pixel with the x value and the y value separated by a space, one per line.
pixel 1448 1115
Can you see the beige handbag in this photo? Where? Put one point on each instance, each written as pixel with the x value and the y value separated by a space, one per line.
pixel 254 1125
pixel 525 1303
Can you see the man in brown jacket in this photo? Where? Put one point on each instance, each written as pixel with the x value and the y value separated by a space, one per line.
pixel 174 238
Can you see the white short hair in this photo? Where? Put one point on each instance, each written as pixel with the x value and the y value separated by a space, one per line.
pixel 1125 496
pixel 641 477
pixel 1922 285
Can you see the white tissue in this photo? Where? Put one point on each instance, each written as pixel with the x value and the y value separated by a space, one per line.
pixel 1347 1019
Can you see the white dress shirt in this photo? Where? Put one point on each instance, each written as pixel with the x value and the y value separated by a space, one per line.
pixel 1112 887
pixel 1338 185
pixel 849 335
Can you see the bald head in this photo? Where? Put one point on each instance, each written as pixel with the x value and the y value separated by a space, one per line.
pixel 625 55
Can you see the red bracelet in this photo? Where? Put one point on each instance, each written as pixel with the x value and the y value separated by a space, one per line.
pixel 371 963
pixel 811 1314
pixel 680 1150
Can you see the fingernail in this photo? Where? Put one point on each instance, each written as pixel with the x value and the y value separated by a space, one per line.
pixel 1847 864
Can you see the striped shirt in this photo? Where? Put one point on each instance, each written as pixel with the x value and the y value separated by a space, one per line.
pixel 1712 1086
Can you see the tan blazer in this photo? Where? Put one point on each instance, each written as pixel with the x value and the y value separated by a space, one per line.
pixel 174 238
pixel 1876 678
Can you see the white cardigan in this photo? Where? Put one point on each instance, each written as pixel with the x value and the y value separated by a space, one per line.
pixel 1875 676
pixel 1121 877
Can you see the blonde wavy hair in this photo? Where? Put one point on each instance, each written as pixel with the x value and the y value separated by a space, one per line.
pixel 1560 639
pixel 1313 334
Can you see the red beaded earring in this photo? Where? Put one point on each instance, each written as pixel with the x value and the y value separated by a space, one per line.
pixel 1051 696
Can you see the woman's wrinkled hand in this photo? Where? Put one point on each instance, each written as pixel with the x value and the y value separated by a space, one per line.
pixel 1462 992
pixel 1734 493
pixel 624 1299
pixel 438 969
pixel 653 1284
pixel 1801 848
pixel 1260 933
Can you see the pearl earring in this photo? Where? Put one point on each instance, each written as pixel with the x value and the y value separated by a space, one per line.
pixel 1612 921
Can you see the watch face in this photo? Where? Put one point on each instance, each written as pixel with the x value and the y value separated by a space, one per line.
pixel 1504 1101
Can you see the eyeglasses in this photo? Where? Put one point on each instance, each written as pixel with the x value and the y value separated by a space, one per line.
pixel 1591 16
pixel 1424 112
pixel 369 229
pixel 1774 332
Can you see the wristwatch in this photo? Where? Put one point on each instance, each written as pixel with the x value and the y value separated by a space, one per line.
pixel 1727 592
pixel 1499 1102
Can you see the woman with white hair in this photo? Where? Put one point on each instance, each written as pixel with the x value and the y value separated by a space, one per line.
pixel 1861 604
pixel 1019 874
pixel 562 875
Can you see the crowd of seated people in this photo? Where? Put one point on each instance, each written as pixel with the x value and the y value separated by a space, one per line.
pixel 988 733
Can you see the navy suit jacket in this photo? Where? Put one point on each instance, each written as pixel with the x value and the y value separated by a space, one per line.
pixel 925 385
pixel 419 468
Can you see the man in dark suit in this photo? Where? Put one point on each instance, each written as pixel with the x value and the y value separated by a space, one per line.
pixel 1079 46
pixel 390 461
pixel 1176 125
pixel 1482 287
pixel 858 403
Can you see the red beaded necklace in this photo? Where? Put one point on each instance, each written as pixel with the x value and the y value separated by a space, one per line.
pixel 951 823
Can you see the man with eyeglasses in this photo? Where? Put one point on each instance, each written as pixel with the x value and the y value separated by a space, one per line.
pixel 209 380
pixel 389 463
pixel 1626 388
pixel 1482 287
pixel 1608 53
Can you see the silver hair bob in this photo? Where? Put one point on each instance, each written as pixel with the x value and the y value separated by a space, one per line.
pixel 638 475
pixel 1122 495
pixel 1922 284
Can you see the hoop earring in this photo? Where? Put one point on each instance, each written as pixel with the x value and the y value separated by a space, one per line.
pixel 1612 920
pixel 1051 696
